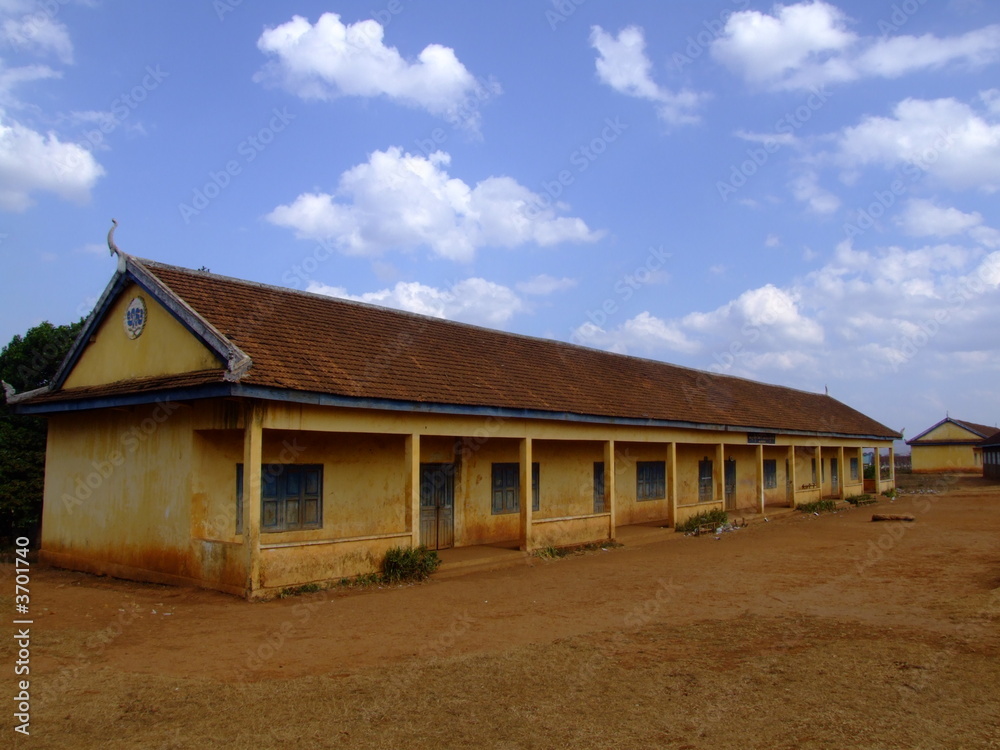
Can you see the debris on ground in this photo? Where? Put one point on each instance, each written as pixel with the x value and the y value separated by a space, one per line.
pixel 893 517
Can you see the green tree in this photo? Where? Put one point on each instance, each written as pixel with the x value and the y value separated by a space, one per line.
pixel 27 363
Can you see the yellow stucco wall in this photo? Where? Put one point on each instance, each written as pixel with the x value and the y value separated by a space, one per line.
pixel 165 347
pixel 153 488
pixel 944 458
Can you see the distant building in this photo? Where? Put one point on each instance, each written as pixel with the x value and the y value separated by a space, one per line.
pixel 952 445
pixel 247 438
pixel 991 456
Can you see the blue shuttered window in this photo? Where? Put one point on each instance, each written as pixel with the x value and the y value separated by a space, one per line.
pixel 770 473
pixel 650 480
pixel 291 497
pixel 507 488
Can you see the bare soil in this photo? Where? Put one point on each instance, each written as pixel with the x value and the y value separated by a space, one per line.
pixel 808 631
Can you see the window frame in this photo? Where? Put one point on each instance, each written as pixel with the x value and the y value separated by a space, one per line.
pixel 770 476
pixel 855 468
pixel 650 480
pixel 281 474
pixel 514 469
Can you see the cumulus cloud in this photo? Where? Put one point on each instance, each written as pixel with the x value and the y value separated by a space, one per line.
pixel 399 201
pixel 864 313
pixel 944 138
pixel 473 300
pixel 31 162
pixel 811 44
pixel 331 59
pixel 623 65
pixel 39 34
pixel 643 334
pixel 924 218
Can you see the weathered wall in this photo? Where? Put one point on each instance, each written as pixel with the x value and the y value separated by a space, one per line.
pixel 164 348
pixel 943 459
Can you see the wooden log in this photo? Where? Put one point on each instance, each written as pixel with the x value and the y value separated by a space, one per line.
pixel 892 517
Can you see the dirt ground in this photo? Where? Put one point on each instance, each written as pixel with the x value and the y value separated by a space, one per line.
pixel 807 631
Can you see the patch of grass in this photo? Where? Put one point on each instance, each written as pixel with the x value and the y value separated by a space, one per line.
pixel 306 588
pixel 820 506
pixel 404 564
pixel 716 517
pixel 555 553
pixel 857 500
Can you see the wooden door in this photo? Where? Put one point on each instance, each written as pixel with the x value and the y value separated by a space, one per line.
pixel 437 505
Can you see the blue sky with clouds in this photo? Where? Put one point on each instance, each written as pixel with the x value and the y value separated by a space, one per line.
pixel 803 194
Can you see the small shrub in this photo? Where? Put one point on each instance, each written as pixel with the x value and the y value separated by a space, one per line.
pixel 716 517
pixel 306 588
pixel 409 564
pixel 891 494
pixel 820 506
pixel 549 553
pixel 857 500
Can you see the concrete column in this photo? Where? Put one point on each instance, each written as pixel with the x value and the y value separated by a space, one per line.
pixel 253 447
pixel 525 491
pixel 720 473
pixel 877 460
pixel 791 470
pixel 610 489
pixel 760 478
pixel 819 468
pixel 892 465
pixel 672 483
pixel 841 474
pixel 411 491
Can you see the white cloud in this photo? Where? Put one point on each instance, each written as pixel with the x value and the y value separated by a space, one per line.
pixel 924 218
pixel 543 285
pixel 32 162
pixel 398 201
pixel 10 78
pixel 622 64
pixel 40 34
pixel 811 44
pixel 807 189
pixel 473 300
pixel 333 59
pixel 944 138
pixel 645 333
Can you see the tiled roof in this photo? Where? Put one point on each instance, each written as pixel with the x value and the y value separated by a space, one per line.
pixel 980 430
pixel 313 343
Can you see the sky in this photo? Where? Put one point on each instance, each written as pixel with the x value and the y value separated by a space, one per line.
pixel 803 194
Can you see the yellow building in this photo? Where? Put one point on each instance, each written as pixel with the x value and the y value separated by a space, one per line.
pixel 950 446
pixel 248 438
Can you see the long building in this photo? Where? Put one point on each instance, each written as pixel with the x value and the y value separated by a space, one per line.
pixel 249 438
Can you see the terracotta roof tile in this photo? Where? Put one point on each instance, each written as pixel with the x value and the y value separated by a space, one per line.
pixel 308 342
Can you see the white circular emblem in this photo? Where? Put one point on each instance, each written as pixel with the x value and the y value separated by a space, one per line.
pixel 135 317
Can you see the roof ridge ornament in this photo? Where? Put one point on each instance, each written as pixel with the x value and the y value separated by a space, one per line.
pixel 115 250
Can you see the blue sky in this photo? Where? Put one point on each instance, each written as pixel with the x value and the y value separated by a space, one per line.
pixel 803 194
